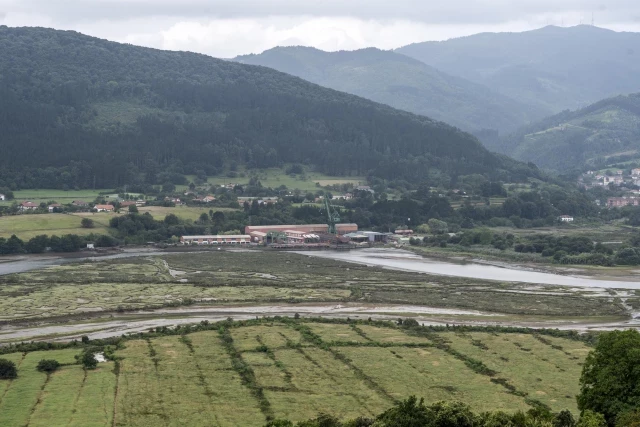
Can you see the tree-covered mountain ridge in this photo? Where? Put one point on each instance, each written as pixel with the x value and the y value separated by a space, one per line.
pixel 556 68
pixel 588 138
pixel 121 114
pixel 401 82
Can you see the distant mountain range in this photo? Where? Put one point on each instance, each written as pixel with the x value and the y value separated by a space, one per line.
pixel 552 68
pixel 592 137
pixel 404 83
pixel 120 114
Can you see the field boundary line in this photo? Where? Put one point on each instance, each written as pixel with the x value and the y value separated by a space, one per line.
pixel 35 406
pixel 184 339
pixel 11 381
pixel 75 402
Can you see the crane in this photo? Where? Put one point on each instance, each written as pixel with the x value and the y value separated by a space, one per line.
pixel 333 217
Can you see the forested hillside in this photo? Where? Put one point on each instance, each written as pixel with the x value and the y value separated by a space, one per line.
pixel 553 67
pixel 587 138
pixel 402 82
pixel 122 114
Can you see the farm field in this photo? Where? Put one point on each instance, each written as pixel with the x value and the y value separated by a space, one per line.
pixel 275 177
pixel 60 196
pixel 182 212
pixel 30 225
pixel 245 373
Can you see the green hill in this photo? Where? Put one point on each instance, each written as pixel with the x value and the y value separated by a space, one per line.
pixel 116 114
pixel 587 138
pixel 401 82
pixel 554 68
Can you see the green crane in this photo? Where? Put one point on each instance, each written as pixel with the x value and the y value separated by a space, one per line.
pixel 333 217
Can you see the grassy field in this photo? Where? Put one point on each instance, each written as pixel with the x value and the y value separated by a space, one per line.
pixel 276 177
pixel 223 277
pixel 295 370
pixel 60 196
pixel 30 225
pixel 183 212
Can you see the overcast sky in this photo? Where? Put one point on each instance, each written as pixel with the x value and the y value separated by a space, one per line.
pixel 226 28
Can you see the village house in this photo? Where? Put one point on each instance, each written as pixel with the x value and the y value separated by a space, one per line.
pixel 615 180
pixel 54 207
pixel 364 188
pixel 103 208
pixel 566 218
pixel 140 202
pixel 617 202
pixel 3 197
pixel 174 200
pixel 28 206
pixel 127 203
pixel 80 203
pixel 208 199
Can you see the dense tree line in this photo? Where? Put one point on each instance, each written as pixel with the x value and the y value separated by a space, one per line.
pixel 124 114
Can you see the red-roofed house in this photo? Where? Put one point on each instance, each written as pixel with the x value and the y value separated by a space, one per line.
pixel 28 206
pixel 103 208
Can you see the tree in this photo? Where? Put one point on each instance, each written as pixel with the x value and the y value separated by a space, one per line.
pixel 48 366
pixel 133 209
pixel 87 223
pixel 204 218
pixel 8 370
pixel 610 381
pixel 438 227
pixel 37 244
pixel 592 419
pixel 407 413
pixel 88 360
pixel 627 256
pixel 171 219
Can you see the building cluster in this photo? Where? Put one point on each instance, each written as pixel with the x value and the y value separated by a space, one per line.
pixel 618 202
pixel 301 236
pixel 616 178
pixel 79 205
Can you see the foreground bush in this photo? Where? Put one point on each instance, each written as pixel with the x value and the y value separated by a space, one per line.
pixel 8 370
pixel 48 365
pixel 414 413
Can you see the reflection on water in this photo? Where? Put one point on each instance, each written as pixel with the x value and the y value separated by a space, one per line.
pixel 408 261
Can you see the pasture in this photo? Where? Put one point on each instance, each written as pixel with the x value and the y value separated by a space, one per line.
pixel 29 225
pixel 243 374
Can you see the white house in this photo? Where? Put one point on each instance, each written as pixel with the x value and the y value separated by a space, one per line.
pixel 28 206
pixel 3 197
pixel 566 218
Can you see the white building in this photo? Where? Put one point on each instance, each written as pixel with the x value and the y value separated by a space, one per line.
pixel 3 197
pixel 566 218
pixel 240 239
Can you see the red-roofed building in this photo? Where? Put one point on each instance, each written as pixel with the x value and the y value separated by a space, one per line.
pixel 103 208
pixel 28 206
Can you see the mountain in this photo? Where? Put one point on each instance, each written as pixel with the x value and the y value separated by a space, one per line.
pixel 403 83
pixel 591 137
pixel 554 68
pixel 111 114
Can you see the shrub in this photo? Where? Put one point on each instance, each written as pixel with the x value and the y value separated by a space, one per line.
pixel 48 365
pixel 87 223
pixel 8 370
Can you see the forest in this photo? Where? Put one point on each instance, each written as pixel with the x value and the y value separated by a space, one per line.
pixel 80 112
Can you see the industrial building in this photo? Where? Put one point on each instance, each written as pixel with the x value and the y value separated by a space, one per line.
pixel 239 239
pixel 307 228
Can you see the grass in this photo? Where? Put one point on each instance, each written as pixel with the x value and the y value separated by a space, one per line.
pixel 268 277
pixel 276 177
pixel 30 225
pixel 194 379
pixel 60 196
pixel 182 212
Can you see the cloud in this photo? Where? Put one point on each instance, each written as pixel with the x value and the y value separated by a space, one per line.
pixel 226 28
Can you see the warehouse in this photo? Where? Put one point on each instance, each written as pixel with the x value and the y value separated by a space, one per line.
pixel 307 228
pixel 239 239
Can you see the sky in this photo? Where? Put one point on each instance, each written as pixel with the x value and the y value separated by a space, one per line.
pixel 226 28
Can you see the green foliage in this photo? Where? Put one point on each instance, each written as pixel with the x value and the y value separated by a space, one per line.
pixel 48 365
pixel 87 223
pixel 610 381
pixel 591 419
pixel 8 370
pixel 88 359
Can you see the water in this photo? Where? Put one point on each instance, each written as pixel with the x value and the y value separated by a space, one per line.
pixel 408 261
